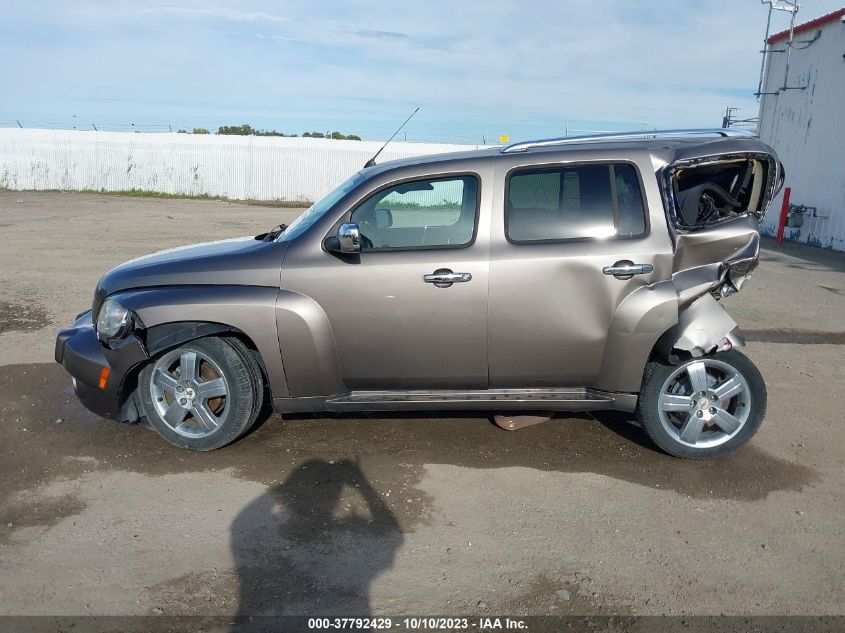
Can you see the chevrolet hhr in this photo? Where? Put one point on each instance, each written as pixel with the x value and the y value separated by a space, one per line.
pixel 556 275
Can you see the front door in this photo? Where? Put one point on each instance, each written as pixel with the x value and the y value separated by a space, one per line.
pixel 409 312
pixel 569 243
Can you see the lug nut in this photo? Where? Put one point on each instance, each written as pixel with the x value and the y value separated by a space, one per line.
pixel 180 388
pixel 713 410
pixel 713 397
pixel 183 401
pixel 699 413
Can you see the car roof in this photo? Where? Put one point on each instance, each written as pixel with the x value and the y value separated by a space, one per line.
pixel 665 147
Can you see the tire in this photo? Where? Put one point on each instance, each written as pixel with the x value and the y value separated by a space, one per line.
pixel 703 408
pixel 215 405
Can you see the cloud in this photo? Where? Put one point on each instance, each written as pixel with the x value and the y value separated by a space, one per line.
pixel 217 12
pixel 497 66
pixel 391 35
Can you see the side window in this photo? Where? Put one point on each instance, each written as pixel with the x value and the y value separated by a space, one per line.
pixel 426 213
pixel 574 202
pixel 629 202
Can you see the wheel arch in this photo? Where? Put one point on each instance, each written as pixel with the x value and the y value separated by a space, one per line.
pixel 638 322
pixel 172 316
pixel 650 324
pixel 166 336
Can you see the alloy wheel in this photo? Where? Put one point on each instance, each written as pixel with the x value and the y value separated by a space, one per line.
pixel 704 403
pixel 190 392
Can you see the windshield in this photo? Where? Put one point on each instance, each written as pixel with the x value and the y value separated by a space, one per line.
pixel 318 210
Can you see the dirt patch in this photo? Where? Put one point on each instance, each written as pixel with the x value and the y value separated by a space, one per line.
pixel 22 317
pixel 35 510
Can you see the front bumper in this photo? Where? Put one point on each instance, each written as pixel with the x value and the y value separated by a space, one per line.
pixel 82 355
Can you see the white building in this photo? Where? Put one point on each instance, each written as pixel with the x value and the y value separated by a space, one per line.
pixel 802 116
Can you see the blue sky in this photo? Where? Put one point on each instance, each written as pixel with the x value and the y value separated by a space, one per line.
pixel 476 68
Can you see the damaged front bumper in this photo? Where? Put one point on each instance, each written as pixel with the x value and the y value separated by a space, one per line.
pixel 102 378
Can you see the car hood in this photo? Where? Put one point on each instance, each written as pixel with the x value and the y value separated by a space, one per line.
pixel 238 262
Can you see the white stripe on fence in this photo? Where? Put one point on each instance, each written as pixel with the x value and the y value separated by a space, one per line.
pixel 237 167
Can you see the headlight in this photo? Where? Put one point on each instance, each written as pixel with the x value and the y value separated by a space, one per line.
pixel 113 322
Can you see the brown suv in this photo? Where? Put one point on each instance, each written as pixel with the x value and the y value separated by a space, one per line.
pixel 557 275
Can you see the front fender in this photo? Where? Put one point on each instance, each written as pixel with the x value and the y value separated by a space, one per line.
pixel 307 341
pixel 249 309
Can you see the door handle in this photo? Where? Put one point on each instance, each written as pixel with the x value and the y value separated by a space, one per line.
pixel 443 278
pixel 626 269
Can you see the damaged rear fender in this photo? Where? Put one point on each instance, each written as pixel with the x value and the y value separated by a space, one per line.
pixel 703 328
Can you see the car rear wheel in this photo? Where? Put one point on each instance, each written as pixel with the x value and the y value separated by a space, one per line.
pixel 704 408
pixel 202 395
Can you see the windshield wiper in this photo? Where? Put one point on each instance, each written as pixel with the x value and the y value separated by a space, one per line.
pixel 272 234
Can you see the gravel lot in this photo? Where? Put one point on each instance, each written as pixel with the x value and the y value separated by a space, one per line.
pixel 403 515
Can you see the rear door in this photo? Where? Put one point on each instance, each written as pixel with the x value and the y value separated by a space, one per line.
pixel 569 242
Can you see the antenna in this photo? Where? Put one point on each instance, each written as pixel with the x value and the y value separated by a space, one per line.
pixel 372 161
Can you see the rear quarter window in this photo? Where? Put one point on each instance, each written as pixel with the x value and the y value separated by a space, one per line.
pixel 569 202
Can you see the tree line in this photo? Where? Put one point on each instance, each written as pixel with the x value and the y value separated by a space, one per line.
pixel 248 130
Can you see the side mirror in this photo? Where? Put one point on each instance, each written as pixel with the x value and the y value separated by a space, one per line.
pixel 347 240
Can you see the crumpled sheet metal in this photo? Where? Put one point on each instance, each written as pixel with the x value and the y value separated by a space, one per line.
pixel 702 326
pixel 710 264
pixel 717 259
pixel 730 241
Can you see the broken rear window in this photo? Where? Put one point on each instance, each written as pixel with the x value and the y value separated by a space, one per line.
pixel 710 191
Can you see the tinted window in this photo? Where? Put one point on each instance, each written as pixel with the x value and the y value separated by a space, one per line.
pixel 581 201
pixel 419 214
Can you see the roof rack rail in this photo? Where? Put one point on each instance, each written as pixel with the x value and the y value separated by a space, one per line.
pixel 613 136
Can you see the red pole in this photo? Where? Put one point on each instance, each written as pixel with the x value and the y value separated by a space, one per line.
pixel 784 209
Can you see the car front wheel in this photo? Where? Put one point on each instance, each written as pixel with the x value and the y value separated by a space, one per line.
pixel 703 408
pixel 202 395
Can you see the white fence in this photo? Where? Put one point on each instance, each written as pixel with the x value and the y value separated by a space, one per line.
pixel 237 167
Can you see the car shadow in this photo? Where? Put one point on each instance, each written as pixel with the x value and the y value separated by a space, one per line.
pixel 312 544
pixel 608 443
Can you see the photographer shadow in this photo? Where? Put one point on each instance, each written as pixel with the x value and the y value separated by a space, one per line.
pixel 312 545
